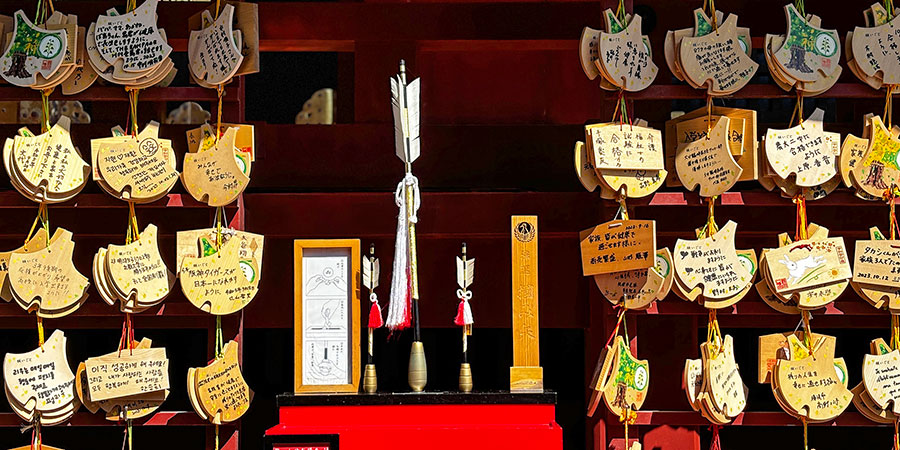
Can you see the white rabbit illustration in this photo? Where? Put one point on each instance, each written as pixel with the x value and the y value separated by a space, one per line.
pixel 798 268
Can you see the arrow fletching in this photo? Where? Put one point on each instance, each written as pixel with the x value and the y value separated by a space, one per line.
pixel 405 105
pixel 371 272
pixel 465 272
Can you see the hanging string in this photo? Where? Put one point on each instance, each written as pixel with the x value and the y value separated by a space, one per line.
pixel 807 332
pixel 132 109
pixel 889 7
pixel 709 105
pixel 889 106
pixel 44 11
pixel 895 331
pixel 220 90
pixel 217 437
pixel 801 8
pixel 627 418
pixel 36 440
pixel 805 433
pixel 710 228
pixel 896 435
pixel 714 334
pixel 620 12
pixel 622 212
pixel 802 230
pixel 45 109
pixel 715 443
pixel 709 7
pixel 798 110
pixel 220 222
pixel 220 341
pixel 620 113
pixel 44 219
pixel 130 5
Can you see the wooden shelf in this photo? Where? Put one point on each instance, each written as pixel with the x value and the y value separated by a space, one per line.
pixel 86 419
pixel 849 418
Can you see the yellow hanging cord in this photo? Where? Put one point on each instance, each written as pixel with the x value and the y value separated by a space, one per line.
pixel 132 234
pixel 805 434
pixel 801 8
pixel 709 105
pixel 709 7
pixel 220 90
pixel 44 11
pixel 807 332
pixel 620 12
pixel 217 437
pixel 896 435
pixel 895 331
pixel 714 334
pixel 710 228
pixel 130 5
pixel 889 7
pixel 889 105
pixel 45 109
pixel 133 109
pixel 220 341
pixel 40 328
pixel 802 231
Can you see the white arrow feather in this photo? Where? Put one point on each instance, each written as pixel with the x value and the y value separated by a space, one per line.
pixel 371 272
pixel 465 272
pixel 405 106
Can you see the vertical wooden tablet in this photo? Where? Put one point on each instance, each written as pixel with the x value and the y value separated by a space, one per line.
pixel 526 375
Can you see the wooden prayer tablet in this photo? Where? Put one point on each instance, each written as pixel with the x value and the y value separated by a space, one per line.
pixel 628 381
pixel 589 51
pixel 213 176
pixel 601 375
pixel 326 316
pixel 618 147
pixel 877 262
pixel 202 243
pixel 139 169
pixel 213 55
pixel 717 59
pixel 726 389
pixel 31 51
pixel 137 272
pixel 526 374
pixel 220 390
pixel 47 167
pixel 222 283
pixel 852 152
pixel 40 382
pixel 204 138
pixel 115 40
pixel 810 386
pixel 585 169
pixel 713 263
pixel 46 279
pixel 638 288
pixel 809 52
pixel 803 151
pixel 692 381
pixel 807 264
pixel 626 59
pixel 707 162
pixel 37 242
pixel 876 53
pixel 617 246
pixel 127 373
pixel 245 25
pixel 879 168
pixel 84 75
pixel 881 377
pixel 748 260
pixel 117 409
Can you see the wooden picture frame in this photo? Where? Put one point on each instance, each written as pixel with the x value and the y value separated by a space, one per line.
pixel 326 299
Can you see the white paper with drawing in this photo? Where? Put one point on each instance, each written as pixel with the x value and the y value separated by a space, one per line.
pixel 326 298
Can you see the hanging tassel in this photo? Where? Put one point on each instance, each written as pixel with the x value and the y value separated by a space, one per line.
pixel 464 311
pixel 375 320
pixel 716 442
pixel 398 317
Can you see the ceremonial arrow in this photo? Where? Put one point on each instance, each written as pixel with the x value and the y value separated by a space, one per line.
pixel 404 302
pixel 370 275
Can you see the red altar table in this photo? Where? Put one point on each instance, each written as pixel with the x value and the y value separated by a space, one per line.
pixel 430 420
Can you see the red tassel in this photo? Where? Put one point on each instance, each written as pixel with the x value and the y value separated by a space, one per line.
pixel 375 319
pixel 407 320
pixel 460 315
